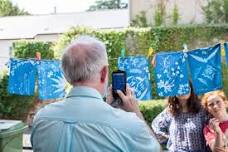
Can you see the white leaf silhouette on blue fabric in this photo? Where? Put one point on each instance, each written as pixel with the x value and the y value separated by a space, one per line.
pixel 205 69
pixel 22 76
pixel 204 59
pixel 51 81
pixel 138 76
pixel 171 74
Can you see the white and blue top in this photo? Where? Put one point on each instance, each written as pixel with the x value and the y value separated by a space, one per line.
pixel 183 133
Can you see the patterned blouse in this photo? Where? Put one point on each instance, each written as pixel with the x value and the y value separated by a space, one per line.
pixel 184 132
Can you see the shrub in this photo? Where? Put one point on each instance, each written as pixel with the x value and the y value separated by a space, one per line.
pixel 13 106
pixel 135 40
pixel 150 109
pixel 139 40
pixel 28 49
pixel 16 106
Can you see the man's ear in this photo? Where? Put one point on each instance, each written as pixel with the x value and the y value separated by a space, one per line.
pixel 104 73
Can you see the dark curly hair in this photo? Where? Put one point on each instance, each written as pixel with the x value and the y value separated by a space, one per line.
pixel 193 103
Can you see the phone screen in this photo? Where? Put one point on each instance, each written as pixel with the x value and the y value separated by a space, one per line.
pixel 118 82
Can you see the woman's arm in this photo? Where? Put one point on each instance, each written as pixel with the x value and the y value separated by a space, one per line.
pixel 160 126
pixel 218 144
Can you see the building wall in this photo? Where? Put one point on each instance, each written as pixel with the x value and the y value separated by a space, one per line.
pixel 5 51
pixel 190 10
pixel 45 27
pixel 5 45
pixel 47 37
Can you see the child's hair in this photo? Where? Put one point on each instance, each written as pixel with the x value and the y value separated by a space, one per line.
pixel 219 93
pixel 193 104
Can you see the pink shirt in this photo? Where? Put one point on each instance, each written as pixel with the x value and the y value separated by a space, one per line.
pixel 209 133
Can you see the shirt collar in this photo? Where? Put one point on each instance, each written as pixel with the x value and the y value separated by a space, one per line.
pixel 83 91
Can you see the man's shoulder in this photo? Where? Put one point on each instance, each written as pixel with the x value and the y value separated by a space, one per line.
pixel 127 121
pixel 99 113
pixel 50 109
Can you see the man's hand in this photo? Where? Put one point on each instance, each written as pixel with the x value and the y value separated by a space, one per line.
pixel 130 103
pixel 109 98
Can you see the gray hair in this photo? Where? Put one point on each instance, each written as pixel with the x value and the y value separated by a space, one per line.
pixel 83 59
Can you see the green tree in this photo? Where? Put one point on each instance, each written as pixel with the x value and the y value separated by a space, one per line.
pixel 175 15
pixel 225 7
pixel 216 11
pixel 8 9
pixel 160 13
pixel 108 4
pixel 140 20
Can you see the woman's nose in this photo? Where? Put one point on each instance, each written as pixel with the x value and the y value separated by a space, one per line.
pixel 215 106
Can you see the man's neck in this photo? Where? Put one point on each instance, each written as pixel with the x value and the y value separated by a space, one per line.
pixel 90 84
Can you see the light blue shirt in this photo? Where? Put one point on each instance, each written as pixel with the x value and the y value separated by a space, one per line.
pixel 84 122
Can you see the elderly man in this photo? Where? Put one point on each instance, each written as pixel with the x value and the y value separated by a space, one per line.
pixel 83 121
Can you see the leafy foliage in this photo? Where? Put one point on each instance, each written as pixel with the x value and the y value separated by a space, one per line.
pixel 160 16
pixel 113 39
pixel 175 15
pixel 137 41
pixel 108 4
pixel 225 7
pixel 216 11
pixel 150 109
pixel 8 9
pixel 140 20
pixel 160 13
pixel 13 106
pixel 28 49
pixel 16 106
pixel 225 77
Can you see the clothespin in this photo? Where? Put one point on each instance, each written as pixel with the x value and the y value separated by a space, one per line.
pixel 123 51
pixel 222 43
pixel 150 51
pixel 185 50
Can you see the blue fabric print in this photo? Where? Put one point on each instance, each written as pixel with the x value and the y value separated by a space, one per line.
pixel 171 74
pixel 51 82
pixel 138 75
pixel 22 76
pixel 205 68
pixel 226 49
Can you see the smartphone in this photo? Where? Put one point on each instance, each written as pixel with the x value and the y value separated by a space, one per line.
pixel 119 81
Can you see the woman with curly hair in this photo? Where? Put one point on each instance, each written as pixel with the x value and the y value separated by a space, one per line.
pixel 180 124
pixel 216 131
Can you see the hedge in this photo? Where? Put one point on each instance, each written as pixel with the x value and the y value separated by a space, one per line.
pixel 135 40
pixel 150 109
pixel 16 106
pixel 28 49
pixel 139 40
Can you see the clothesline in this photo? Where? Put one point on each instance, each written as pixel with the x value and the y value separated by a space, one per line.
pixel 41 59
pixel 33 59
pixel 172 69
pixel 184 50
